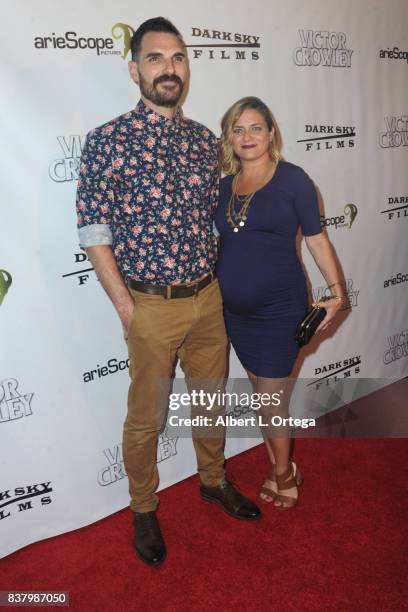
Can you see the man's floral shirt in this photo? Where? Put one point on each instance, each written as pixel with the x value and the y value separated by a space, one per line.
pixel 148 186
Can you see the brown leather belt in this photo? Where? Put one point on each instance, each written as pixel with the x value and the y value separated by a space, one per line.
pixel 172 291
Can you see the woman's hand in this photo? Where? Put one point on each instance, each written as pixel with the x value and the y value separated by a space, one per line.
pixel 332 306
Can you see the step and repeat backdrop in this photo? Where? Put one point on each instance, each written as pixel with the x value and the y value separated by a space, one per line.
pixel 334 73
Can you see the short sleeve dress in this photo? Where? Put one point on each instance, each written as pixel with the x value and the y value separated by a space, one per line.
pixel 261 278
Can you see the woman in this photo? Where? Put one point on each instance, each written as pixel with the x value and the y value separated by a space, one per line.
pixel 263 201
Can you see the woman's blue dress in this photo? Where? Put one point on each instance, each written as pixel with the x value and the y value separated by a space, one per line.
pixel 261 279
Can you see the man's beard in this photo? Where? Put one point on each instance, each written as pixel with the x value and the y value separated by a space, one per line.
pixel 168 98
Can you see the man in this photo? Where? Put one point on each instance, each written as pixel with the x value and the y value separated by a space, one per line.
pixel 146 195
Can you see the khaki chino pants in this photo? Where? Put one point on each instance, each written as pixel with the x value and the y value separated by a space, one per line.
pixel 162 330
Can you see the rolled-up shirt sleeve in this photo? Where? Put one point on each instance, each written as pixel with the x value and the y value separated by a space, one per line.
pixel 93 235
pixel 95 193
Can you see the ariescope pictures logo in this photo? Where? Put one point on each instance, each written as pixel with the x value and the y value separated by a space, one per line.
pixel 396 132
pixel 24 498
pixel 66 168
pixel 81 275
pixel 397 347
pixel 344 220
pixel 113 366
pixel 348 288
pixel 99 45
pixel 399 207
pixel 322 48
pixel 114 470
pixel 5 284
pixel 396 280
pixel 218 44
pixel 328 137
pixel 336 371
pixel 394 53
pixel 14 404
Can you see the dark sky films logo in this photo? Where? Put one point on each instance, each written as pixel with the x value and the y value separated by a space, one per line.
pixel 101 45
pixel 13 404
pixel 336 371
pixel 396 132
pixel 113 366
pixel 345 220
pixel 66 168
pixel 397 347
pixel 328 137
pixel 115 468
pixel 5 284
pixel 217 44
pixel 396 212
pixel 394 53
pixel 346 288
pixel 322 48
pixel 82 275
pixel 396 280
pixel 24 498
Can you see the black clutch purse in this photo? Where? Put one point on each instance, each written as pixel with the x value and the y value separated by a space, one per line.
pixel 309 324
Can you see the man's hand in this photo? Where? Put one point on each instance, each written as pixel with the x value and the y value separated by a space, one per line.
pixel 106 268
pixel 126 316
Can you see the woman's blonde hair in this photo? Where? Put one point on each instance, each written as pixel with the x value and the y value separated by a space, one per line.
pixel 228 160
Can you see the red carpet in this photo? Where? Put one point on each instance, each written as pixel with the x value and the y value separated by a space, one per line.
pixel 341 548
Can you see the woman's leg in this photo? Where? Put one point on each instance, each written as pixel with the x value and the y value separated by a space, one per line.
pixel 269 487
pixel 277 438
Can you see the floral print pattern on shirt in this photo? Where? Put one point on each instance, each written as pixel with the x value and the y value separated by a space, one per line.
pixel 154 182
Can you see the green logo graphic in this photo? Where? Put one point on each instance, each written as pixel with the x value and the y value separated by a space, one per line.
pixel 350 210
pixel 125 31
pixel 5 282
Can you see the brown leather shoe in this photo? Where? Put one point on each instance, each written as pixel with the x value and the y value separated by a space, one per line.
pixel 233 502
pixel 149 543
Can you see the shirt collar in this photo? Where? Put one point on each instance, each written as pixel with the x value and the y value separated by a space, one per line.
pixel 156 119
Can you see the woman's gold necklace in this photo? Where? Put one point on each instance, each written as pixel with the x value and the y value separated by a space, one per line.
pixel 237 217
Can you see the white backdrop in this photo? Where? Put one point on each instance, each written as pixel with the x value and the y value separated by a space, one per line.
pixel 335 76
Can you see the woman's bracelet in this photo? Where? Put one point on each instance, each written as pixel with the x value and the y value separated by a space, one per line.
pixel 334 297
pixel 337 297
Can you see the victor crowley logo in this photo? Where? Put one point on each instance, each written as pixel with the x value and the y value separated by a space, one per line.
pixel 101 45
pixel 13 404
pixel 396 132
pixel 5 284
pixel 397 347
pixel 66 168
pixel 396 280
pixel 333 372
pixel 16 499
pixel 328 137
pixel 82 275
pixel 322 48
pixel 113 366
pixel 346 288
pixel 115 468
pixel 341 221
pixel 223 45
pixel 397 212
pixel 394 53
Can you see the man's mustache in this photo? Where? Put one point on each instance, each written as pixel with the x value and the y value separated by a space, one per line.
pixel 168 77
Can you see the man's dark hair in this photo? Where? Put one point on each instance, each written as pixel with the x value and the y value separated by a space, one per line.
pixel 157 24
